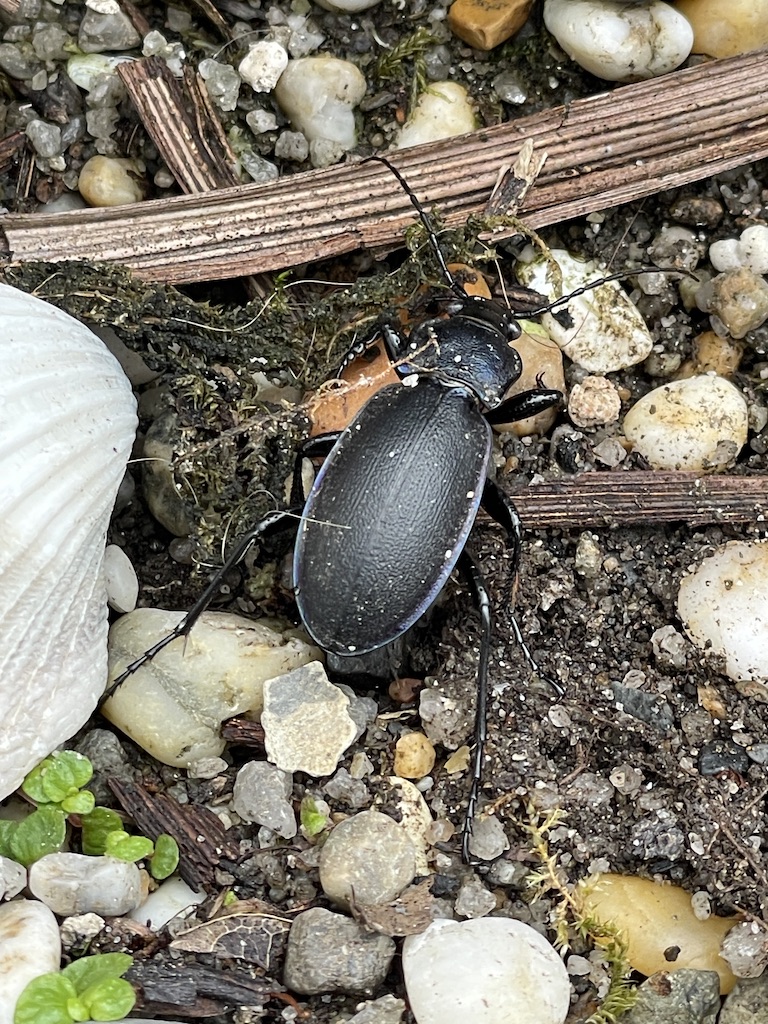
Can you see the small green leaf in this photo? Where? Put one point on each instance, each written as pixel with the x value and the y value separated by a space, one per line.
pixel 110 1000
pixel 77 1010
pixel 312 821
pixel 44 1001
pixel 165 859
pixel 57 777
pixel 43 831
pixel 96 827
pixel 7 828
pixel 93 970
pixel 125 847
pixel 81 802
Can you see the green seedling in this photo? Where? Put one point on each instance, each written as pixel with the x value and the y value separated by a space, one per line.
pixel 91 988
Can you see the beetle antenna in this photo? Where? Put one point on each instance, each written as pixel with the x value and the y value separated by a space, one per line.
pixel 427 223
pixel 618 276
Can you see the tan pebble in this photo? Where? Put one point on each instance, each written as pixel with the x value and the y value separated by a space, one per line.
pixel 404 690
pixel 542 359
pixel 655 918
pixel 713 354
pixel 594 402
pixel 414 756
pixel 725 30
pixel 487 23
pixel 109 181
pixel 458 761
pixel 740 299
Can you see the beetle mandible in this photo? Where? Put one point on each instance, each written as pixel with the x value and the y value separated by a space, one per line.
pixel 392 506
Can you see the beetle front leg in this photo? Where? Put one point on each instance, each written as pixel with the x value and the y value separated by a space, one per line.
pixel 527 403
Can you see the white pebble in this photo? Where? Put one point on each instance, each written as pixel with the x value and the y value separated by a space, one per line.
pixel 29 946
pixel 441 112
pixel 697 425
pixel 620 42
pixel 173 899
pixel 319 95
pixel 111 181
pixel 723 604
pixel 173 706
pixel 750 250
pixel 347 6
pixel 608 332
pixel 122 582
pixel 13 878
pixel 594 402
pixel 71 883
pixel 488 971
pixel 263 64
pixel 85 69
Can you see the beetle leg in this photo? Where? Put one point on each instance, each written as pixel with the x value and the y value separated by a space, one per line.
pixel 527 403
pixel 500 507
pixel 271 522
pixel 312 448
pixel 482 602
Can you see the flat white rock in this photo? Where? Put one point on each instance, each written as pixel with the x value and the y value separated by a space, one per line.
pixel 608 332
pixel 620 42
pixel 67 422
pixel 698 425
pixel 29 946
pixel 491 970
pixel 723 604
pixel 71 883
pixel 319 94
pixel 121 579
pixel 173 706
pixel 172 899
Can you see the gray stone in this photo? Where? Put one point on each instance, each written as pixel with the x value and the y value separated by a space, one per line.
pixel 164 498
pixel 387 1010
pixel 488 840
pixel 45 138
pixel 677 997
pixel 100 32
pixel 331 953
pixel 747 1004
pixel 745 949
pixel 262 794
pixel 367 855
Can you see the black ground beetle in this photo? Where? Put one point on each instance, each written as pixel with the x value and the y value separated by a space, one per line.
pixel 393 504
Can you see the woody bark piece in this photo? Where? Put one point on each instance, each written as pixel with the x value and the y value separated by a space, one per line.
pixel 638 497
pixel 10 6
pixel 601 151
pixel 202 839
pixel 178 117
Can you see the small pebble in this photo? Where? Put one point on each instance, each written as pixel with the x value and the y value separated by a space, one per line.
pixel 745 949
pixel 172 900
pixel 100 32
pixel 347 6
pixel 712 354
pixel 306 720
pixel 594 402
pixel 739 298
pixel 263 64
pixel 13 878
pixel 414 756
pixel 71 883
pixel 677 997
pixel 487 971
pixel 617 41
pixel 111 181
pixel 441 112
pixel 318 95
pixel 725 30
pixel 121 579
pixel 261 121
pixel 696 425
pixel 29 946
pixel 291 146
pixel 262 793
pixel 485 25
pixel 387 1010
pixel 222 83
pixel 45 138
pixel 608 332
pixel 414 818
pixel 749 250
pixel 328 952
pixel 488 840
pixel 655 918
pixel 85 69
pixel 442 720
pixel 173 705
pixel 474 900
pixel 723 604
pixel 368 855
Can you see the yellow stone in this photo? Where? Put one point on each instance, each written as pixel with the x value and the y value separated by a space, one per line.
pixel 542 361
pixel 726 29
pixel 658 919
pixel 414 756
pixel 487 23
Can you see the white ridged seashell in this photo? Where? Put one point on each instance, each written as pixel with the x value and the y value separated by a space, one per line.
pixel 67 423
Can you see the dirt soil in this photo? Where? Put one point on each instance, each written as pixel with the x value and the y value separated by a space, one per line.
pixel 588 602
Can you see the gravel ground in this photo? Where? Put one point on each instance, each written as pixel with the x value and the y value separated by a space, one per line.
pixel 665 787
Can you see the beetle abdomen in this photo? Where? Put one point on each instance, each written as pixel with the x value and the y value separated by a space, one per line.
pixel 389 514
